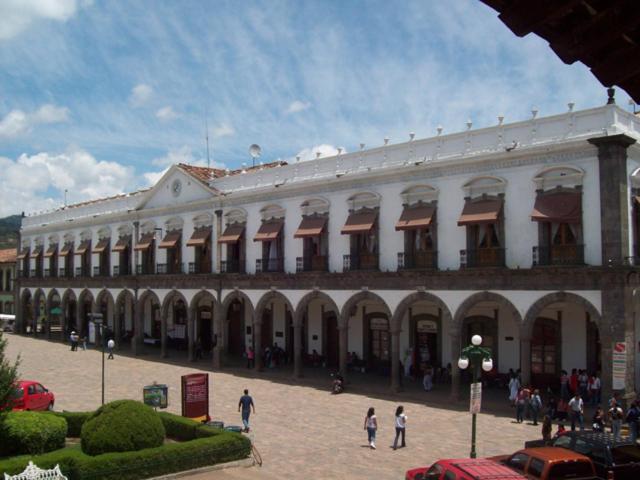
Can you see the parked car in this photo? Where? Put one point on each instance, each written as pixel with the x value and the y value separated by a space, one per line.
pixel 7 322
pixel 464 469
pixel 32 395
pixel 622 458
pixel 549 463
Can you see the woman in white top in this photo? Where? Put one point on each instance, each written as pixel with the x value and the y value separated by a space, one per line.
pixel 371 425
pixel 401 426
pixel 514 386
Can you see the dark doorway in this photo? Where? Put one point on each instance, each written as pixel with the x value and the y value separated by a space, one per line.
pixel 204 328
pixel 378 353
pixel 72 316
pixel 426 344
pixel 594 349
pixel 289 338
pixel 546 353
pixel 235 319
pixel 330 336
pixel 267 328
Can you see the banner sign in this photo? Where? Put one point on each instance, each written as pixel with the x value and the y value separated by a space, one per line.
pixel 155 395
pixel 195 395
pixel 475 399
pixel 619 365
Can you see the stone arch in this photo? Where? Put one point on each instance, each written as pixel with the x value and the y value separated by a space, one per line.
pixel 122 296
pixel 68 295
pixel 26 310
pixel 203 294
pixel 306 300
pixel 236 295
pixel 84 297
pixel 169 300
pixel 357 298
pixel 207 331
pixel 52 292
pixel 104 293
pixel 485 296
pixel 403 307
pixel 262 303
pixel 539 305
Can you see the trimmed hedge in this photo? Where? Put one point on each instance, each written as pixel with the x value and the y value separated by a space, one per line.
pixel 31 433
pixel 75 420
pixel 122 426
pixel 202 446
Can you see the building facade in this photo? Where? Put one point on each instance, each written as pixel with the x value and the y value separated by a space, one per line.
pixel 7 276
pixel 525 233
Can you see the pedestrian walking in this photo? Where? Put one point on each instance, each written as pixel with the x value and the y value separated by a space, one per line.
pixel 597 423
pixel 401 427
pixel 246 404
pixel 371 425
pixel 521 402
pixel 564 386
pixel 427 380
pixel 633 416
pixel 83 341
pixel 595 386
pixel 73 338
pixel 251 355
pixel 514 388
pixel 576 408
pixel 535 405
pixel 615 415
pixel 110 346
pixel 546 429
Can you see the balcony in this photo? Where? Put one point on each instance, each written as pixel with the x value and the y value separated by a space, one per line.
pixel 558 255
pixel 418 260
pixel 101 271
pixel 482 258
pixel 231 266
pixel 23 274
pixel 312 263
pixel 47 273
pixel 168 269
pixel 198 268
pixel 264 265
pixel 121 270
pixel 79 272
pixel 32 273
pixel 360 261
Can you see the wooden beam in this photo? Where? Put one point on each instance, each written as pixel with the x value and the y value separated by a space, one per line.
pixel 524 16
pixel 617 67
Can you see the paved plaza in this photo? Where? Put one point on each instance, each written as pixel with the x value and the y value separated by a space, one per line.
pixel 298 429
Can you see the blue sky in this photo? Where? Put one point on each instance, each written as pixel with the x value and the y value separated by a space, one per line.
pixel 99 97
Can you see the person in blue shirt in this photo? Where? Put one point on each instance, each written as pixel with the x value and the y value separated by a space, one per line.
pixel 246 404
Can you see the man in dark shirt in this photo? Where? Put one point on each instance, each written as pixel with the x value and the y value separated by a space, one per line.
pixel 246 404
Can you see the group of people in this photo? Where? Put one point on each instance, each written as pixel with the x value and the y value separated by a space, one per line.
pixel 588 386
pixel 75 340
pixel 371 427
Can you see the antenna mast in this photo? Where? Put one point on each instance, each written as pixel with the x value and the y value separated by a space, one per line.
pixel 206 123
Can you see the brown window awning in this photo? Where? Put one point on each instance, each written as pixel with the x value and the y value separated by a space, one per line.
pixel 102 245
pixel 24 253
pixel 51 251
pixel 480 212
pixel 564 207
pixel 200 237
pixel 145 241
pixel 415 218
pixel 66 249
pixel 171 239
pixel 269 231
pixel 83 247
pixel 232 234
pixel 311 227
pixel 359 222
pixel 121 245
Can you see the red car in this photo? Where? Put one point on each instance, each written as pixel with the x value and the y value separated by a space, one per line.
pixel 32 396
pixel 464 469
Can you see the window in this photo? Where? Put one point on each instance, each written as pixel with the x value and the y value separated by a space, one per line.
pixel 31 390
pixel 39 388
pixel 583 447
pixel 536 467
pixel 449 475
pixel 435 471
pixel 563 441
pixel 518 461
pixel 567 470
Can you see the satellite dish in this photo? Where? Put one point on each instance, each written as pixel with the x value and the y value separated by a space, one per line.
pixel 255 151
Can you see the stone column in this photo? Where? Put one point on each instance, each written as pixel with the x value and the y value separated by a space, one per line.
pixel 257 345
pixel 163 334
pixel 525 359
pixel 297 350
pixel 218 245
pixel 455 371
pixel 395 361
pixel 614 197
pixel 116 323
pixel 190 334
pixel 217 337
pixel 138 327
pixel 343 331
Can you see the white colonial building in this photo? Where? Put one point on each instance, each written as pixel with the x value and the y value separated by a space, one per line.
pixel 525 233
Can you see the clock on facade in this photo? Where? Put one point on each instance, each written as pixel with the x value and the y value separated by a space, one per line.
pixel 176 187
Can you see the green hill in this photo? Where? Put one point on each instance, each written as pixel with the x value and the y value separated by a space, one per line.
pixel 9 227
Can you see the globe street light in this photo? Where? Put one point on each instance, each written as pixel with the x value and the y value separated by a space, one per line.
pixel 478 357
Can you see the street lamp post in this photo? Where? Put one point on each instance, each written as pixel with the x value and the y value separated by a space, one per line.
pixel 98 322
pixel 477 357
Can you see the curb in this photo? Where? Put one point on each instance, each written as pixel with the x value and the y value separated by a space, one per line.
pixel 245 463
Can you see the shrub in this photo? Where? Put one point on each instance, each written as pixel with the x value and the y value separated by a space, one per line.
pixel 31 433
pixel 68 459
pixel 177 427
pixel 74 420
pixel 121 426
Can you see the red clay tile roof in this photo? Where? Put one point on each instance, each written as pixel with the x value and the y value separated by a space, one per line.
pixel 205 174
pixel 8 255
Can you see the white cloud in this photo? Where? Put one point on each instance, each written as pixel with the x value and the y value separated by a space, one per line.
pixel 223 130
pixel 166 113
pixel 297 106
pixel 17 15
pixel 140 94
pixel 17 122
pixel 37 182
pixel 179 155
pixel 151 178
pixel 324 149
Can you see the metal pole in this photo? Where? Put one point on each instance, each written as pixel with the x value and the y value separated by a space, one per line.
pixel 102 341
pixel 473 359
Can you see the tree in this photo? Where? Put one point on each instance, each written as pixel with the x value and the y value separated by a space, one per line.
pixel 8 377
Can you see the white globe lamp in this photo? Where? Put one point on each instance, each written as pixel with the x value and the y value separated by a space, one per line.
pixel 476 340
pixel 463 363
pixel 487 364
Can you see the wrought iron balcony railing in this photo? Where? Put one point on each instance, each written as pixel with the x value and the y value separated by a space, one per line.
pixel 417 260
pixel 312 263
pixel 360 261
pixel 264 265
pixel 482 257
pixel 231 266
pixel 558 255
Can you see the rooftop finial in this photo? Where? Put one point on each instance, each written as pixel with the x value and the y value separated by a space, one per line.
pixel 534 112
pixel 469 124
pixel 500 119
pixel 571 105
pixel 362 146
pixel 386 140
pixel 412 135
pixel 611 92
pixel 439 129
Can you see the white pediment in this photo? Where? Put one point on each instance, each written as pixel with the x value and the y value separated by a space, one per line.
pixel 176 187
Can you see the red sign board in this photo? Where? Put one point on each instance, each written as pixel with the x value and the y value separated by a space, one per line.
pixel 195 395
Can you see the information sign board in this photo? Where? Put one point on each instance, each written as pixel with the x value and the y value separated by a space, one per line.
pixel 195 395
pixel 475 399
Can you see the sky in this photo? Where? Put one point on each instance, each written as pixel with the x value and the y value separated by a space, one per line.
pixel 101 97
